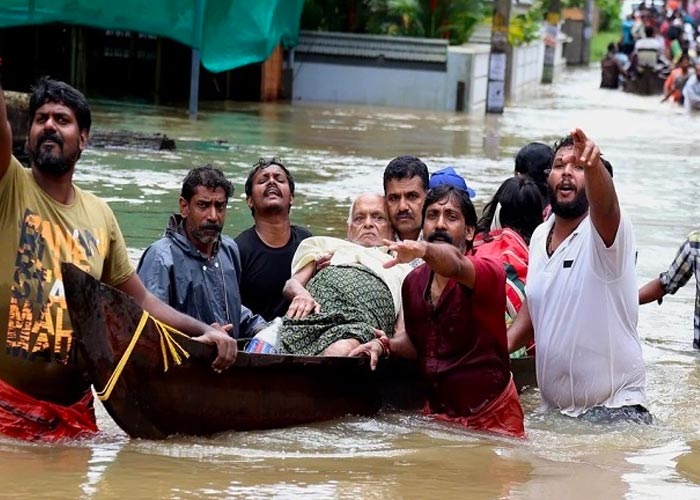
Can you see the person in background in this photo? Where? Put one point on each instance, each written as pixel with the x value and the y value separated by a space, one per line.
pixel 627 43
pixel 449 176
pixel 405 186
pixel 503 232
pixel 611 69
pixel 268 246
pixel 691 89
pixel 676 80
pixel 534 160
pixel 685 265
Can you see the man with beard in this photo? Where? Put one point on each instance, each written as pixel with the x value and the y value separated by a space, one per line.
pixel 267 248
pixel 195 268
pixel 582 295
pixel 46 220
pixel 453 316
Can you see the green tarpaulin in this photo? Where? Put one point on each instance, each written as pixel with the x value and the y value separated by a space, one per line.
pixel 228 33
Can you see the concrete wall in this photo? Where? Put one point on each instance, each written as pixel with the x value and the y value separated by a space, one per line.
pixel 365 83
pixel 527 64
pixel 403 88
pixel 469 63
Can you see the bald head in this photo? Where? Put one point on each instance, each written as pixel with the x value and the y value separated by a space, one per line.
pixel 368 222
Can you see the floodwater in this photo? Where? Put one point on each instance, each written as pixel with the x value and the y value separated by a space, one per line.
pixel 335 153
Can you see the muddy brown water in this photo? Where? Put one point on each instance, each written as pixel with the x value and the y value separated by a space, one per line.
pixel 335 153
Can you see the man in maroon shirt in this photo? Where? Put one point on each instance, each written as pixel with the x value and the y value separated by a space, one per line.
pixel 453 310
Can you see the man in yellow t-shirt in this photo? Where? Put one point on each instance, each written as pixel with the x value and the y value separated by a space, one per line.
pixel 45 220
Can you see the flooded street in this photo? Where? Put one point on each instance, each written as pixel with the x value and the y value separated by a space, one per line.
pixel 335 153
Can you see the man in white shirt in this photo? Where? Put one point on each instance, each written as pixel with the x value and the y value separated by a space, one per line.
pixel 582 295
pixel 647 49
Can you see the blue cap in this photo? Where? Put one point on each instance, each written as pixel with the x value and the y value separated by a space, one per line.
pixel 448 175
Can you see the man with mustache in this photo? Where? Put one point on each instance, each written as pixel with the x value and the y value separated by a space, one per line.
pixel 582 294
pixel 267 248
pixel 195 268
pixel 453 315
pixel 405 186
pixel 46 220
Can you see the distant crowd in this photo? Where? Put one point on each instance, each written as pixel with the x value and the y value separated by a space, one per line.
pixel 662 42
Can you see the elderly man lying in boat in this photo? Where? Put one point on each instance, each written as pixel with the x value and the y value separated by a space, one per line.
pixel 336 309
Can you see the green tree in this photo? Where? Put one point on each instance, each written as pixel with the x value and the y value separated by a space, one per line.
pixel 451 19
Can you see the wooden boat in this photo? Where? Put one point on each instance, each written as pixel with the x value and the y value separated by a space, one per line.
pixel 260 391
pixel 649 82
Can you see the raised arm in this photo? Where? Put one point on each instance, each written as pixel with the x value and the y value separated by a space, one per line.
pixel 302 303
pixel 600 190
pixel 442 258
pixel 5 133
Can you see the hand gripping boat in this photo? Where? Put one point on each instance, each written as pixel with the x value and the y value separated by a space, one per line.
pixel 155 382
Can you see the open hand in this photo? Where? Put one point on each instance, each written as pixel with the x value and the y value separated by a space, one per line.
pixel 405 251
pixel 302 306
pixel 585 151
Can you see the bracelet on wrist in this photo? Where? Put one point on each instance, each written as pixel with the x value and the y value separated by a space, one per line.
pixel 386 346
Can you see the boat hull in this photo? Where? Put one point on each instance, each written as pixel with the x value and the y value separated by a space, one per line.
pixel 260 391
pixel 649 82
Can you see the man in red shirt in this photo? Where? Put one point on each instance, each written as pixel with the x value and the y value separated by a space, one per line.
pixel 453 306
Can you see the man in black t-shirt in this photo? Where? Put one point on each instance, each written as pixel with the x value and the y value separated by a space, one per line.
pixel 267 248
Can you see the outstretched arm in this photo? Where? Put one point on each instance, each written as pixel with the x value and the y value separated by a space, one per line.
pixel 5 132
pixel 676 276
pixel 442 258
pixel 600 190
pixel 225 345
pixel 651 291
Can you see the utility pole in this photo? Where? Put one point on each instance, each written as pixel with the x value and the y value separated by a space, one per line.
pixel 197 16
pixel 194 84
pixel 498 58
pixel 550 39
pixel 587 32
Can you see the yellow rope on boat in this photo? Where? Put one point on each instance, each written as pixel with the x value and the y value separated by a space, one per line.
pixel 168 345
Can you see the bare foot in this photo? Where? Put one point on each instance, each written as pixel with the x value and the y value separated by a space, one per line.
pixel 341 347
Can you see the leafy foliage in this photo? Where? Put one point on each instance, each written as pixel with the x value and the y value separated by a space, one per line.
pixel 525 28
pixel 451 19
pixel 609 12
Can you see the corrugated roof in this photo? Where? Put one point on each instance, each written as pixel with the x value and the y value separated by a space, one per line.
pixel 372 47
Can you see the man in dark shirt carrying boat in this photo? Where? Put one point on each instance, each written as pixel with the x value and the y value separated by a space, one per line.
pixel 267 248
pixel 46 220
